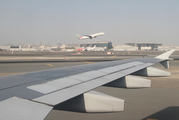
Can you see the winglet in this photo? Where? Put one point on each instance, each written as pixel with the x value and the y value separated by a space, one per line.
pixel 165 55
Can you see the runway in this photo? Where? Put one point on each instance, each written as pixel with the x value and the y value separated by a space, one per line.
pixel 160 102
pixel 56 58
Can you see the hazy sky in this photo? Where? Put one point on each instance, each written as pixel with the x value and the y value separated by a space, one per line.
pixel 58 21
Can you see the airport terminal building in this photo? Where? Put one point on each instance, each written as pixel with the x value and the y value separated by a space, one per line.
pixel 108 45
pixel 153 46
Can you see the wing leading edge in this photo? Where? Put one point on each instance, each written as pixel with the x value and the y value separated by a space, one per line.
pixel 37 90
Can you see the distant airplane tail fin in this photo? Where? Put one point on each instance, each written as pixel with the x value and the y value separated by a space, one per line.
pixel 78 36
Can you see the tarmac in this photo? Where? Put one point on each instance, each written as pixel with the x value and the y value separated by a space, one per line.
pixel 160 102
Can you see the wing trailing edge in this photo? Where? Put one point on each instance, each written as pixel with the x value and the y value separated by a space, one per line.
pixel 91 102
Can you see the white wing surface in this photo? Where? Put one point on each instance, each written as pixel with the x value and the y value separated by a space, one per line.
pixel 33 95
pixel 89 36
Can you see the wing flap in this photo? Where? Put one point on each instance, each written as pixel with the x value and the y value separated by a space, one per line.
pixel 73 91
pixel 16 108
pixel 54 85
pixel 73 80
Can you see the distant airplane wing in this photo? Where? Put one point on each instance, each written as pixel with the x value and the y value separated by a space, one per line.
pixel 89 36
pixel 32 95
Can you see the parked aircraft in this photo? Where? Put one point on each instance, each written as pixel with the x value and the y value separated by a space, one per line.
pixel 90 48
pixel 81 49
pixel 89 36
pixel 31 96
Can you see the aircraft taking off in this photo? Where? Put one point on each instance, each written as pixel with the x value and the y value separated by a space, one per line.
pixel 89 36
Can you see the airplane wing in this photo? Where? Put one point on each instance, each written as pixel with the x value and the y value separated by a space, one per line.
pixel 33 95
pixel 89 36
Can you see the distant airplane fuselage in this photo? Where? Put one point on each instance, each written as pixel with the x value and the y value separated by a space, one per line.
pixel 80 49
pixel 89 36
pixel 90 48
